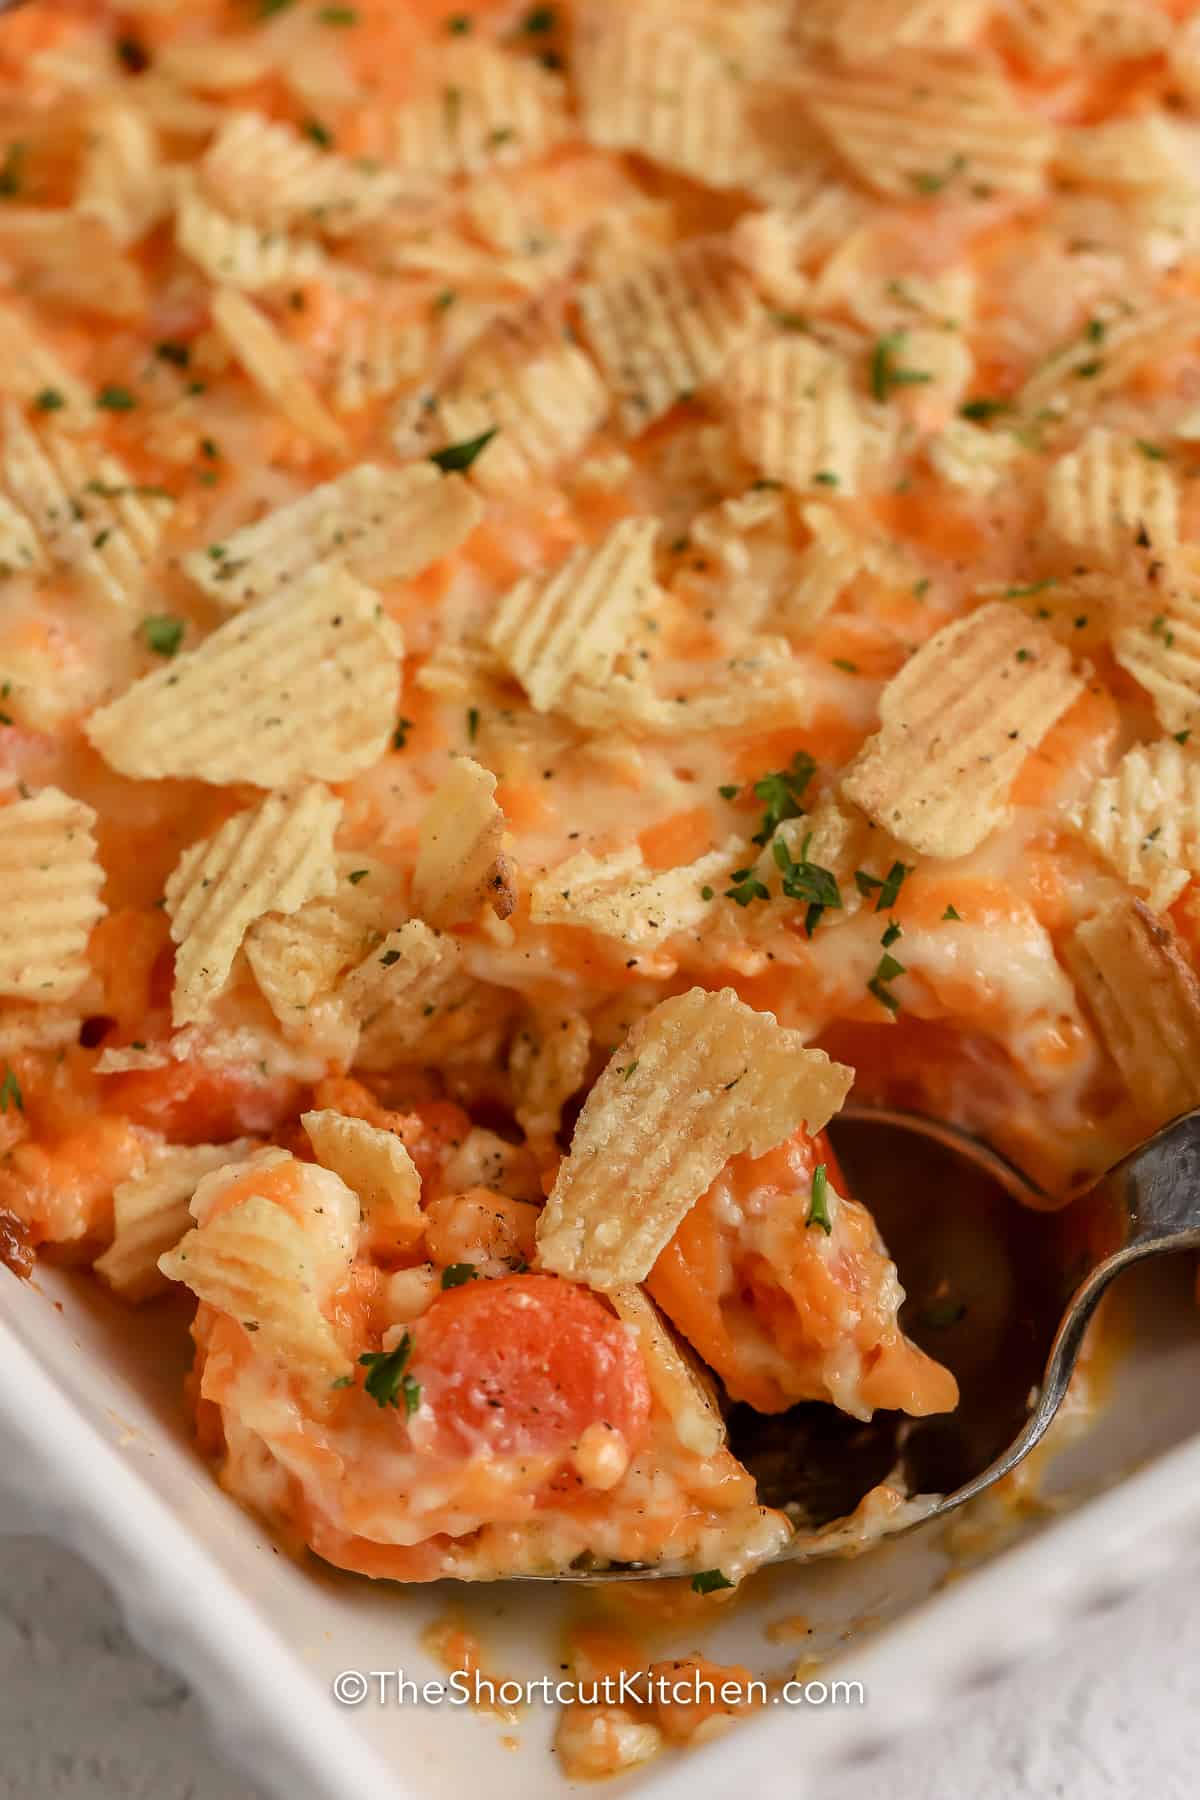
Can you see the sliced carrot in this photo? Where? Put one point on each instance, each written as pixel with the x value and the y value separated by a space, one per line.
pixel 523 1365
pixel 680 839
pixel 1081 740
pixel 199 1103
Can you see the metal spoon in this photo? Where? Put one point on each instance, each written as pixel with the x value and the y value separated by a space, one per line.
pixel 999 1288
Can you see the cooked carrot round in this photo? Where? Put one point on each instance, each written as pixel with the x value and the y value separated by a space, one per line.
pixel 524 1364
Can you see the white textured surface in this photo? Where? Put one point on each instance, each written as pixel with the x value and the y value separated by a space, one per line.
pixel 84 1713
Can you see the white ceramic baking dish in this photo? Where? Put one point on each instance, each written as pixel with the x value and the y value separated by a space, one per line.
pixel 94 1450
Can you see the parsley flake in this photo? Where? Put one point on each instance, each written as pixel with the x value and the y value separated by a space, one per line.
pixel 163 633
pixel 386 1371
pixel 458 1274
pixel 818 1201
pixel 886 374
pixel 807 881
pixel 709 1581
pixel 49 400
pixel 781 793
pixel 952 912
pixel 461 456
pixel 116 399
pixel 10 1089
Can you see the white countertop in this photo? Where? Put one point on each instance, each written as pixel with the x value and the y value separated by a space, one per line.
pixel 84 1713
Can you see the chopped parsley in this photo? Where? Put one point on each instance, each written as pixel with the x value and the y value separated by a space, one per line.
pixel 400 735
pixel 1085 370
pixel 807 881
pixel 1181 737
pixel 472 723
pixel 844 663
pixel 781 793
pixel 952 912
pixel 886 373
pixel 343 1381
pixel 1153 451
pixel 818 1201
pixel 132 55
pixel 444 300
pixel 630 1069
pixel 320 134
pixel 983 408
pixel 49 400
pixel 12 171
pixel 10 1089
pixel 163 633
pixel 338 15
pixel 706 893
pixel 389 957
pixel 461 456
pixel 943 1313
pixel 888 968
pixel 357 875
pixel 825 478
pixel 894 930
pixel 746 887
pixel 458 1274
pixel 930 181
pixel 730 791
pixel 116 399
pixel 1095 330
pixel 385 1372
pixel 886 891
pixel 539 21
pixel 459 25
pixel 709 1581
pixel 267 7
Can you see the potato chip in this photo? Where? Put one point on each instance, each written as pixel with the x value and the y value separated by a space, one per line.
pixel 298 957
pixel 1060 35
pixel 523 381
pixel 123 181
pixel 71 260
pixel 1145 151
pixel 870 30
pixel 272 1272
pixel 1163 654
pixel 377 355
pixel 677 1379
pixel 1144 819
pixel 782 248
pixel 910 123
pixel 216 67
pixel 151 1214
pixel 551 629
pixel 375 1165
pixel 619 897
pixel 1110 491
pixel 668 326
pixel 415 1000
pixel 303 684
pixel 269 859
pixel 956 724
pixel 274 367
pixel 1145 998
pixel 654 86
pixel 88 513
pixel 547 1064
pixel 795 414
pixel 29 367
pixel 763 685
pixel 1108 354
pixel 698 1080
pixel 259 169
pixel 50 881
pixel 972 458
pixel 237 254
pixel 487 108
pixel 379 524
pixel 461 861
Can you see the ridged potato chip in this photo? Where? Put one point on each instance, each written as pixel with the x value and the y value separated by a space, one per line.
pixel 668 326
pixel 698 1080
pixel 263 170
pixel 676 1379
pixel 487 107
pixel 972 458
pixel 19 546
pixel 1144 819
pixel 303 684
pixel 1163 654
pixel 298 957
pixel 123 181
pixel 375 1165
pixel 380 524
pixel 1110 490
pixel 547 1064
pixel 1058 36
pixel 90 516
pixel 764 684
pixel 67 259
pixel 1113 347
pixel 461 861
pixel 551 630
pixel 29 367
pixel 910 120
pixel 151 1214
pixel 237 254
pixel 867 30
pixel 274 367
pixel 269 859
pixel 50 881
pixel 1145 998
pixel 619 897
pixel 956 724
pixel 795 413
pixel 414 1000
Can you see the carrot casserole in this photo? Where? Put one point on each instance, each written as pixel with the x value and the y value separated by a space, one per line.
pixel 574 580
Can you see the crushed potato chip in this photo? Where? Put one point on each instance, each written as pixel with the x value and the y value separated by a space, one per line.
pixel 297 957
pixel 19 546
pixel 1163 654
pixel 956 724
pixel 912 122
pixel 50 881
pixel 667 326
pixel 618 897
pixel 303 684
pixel 29 367
pixel 1145 820
pixel 548 1063
pixel 69 259
pixel 269 859
pixel 1059 35
pixel 550 630
pixel 461 861
pixel 972 458
pixel 1109 490
pixel 376 1166
pixel 1145 998
pixel 237 254
pixel 487 108
pixel 676 1378
pixel 260 169
pixel 151 1214
pixel 380 524
pixel 698 1080
pixel 267 1269
pixel 795 413
pixel 274 367
pixel 123 181
pixel 863 30
pixel 414 998
pixel 88 512
pixel 764 684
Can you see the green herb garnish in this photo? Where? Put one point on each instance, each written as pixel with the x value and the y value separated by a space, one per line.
pixel 708 1581
pixel 163 633
pixel 886 373
pixel 386 1371
pixel 458 1274
pixel 461 456
pixel 818 1201
pixel 10 1089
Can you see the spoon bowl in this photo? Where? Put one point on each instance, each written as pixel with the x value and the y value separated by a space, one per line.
pixel 1001 1282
